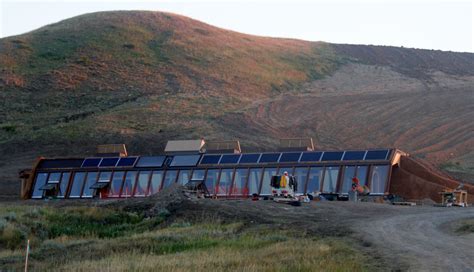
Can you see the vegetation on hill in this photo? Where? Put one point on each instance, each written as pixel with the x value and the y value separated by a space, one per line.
pixel 143 78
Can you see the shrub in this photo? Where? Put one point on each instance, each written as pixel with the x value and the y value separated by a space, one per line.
pixel 11 216
pixel 3 224
pixel 129 46
pixel 12 237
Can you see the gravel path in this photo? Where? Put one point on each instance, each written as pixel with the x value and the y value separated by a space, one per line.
pixel 422 238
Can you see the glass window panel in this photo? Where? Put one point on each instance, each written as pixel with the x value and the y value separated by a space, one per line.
pixel 225 182
pixel 210 159
pixel 376 155
pixel 128 184
pixel 63 185
pixel 254 180
pixel 170 178
pixel 108 162
pixel 128 161
pixel 379 179
pixel 311 156
pixel 40 182
pixel 142 184
pixel 184 176
pixel 267 176
pixel 91 162
pixel 230 158
pixel 77 183
pixel 362 174
pixel 301 174
pixel 155 183
pixel 314 180
pixel 54 177
pixel 249 158
pixel 349 173
pixel 290 157
pixel 105 176
pixel 211 180
pixel 282 170
pixel 330 179
pixel 199 174
pixel 332 156
pixel 185 160
pixel 116 184
pixel 90 180
pixel 150 161
pixel 269 157
pixel 240 181
pixel 354 155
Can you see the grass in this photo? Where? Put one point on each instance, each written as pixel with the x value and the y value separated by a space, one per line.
pixel 100 239
pixel 466 227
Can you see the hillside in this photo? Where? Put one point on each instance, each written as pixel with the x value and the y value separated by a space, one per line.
pixel 145 77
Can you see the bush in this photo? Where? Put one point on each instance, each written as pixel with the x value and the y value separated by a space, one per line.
pixel 129 46
pixel 12 237
pixel 3 224
pixel 11 216
pixel 89 222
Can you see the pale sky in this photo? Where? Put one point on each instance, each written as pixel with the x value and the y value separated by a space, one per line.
pixel 430 24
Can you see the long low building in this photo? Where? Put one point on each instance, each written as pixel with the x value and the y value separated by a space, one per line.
pixel 233 174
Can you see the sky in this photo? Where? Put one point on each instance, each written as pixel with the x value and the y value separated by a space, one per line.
pixel 430 24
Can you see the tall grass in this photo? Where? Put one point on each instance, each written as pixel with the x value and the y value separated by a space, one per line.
pixel 99 239
pixel 294 255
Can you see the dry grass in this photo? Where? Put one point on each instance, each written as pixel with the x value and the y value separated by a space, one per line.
pixel 67 239
pixel 466 227
pixel 294 255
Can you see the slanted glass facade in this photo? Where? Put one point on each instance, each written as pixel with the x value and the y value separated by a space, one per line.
pixel 225 175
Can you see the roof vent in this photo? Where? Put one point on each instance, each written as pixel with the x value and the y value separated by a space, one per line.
pixel 296 144
pixel 185 147
pixel 231 146
pixel 112 150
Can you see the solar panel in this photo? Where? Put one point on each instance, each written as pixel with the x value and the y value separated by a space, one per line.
pixel 332 156
pixel 128 161
pixel 185 160
pixel 60 163
pixel 210 159
pixel 269 157
pixel 249 158
pixel 230 158
pixel 376 155
pixel 91 162
pixel 311 156
pixel 353 155
pixel 108 162
pixel 150 161
pixel 290 157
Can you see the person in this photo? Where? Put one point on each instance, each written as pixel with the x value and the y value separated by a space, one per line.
pixel 355 184
pixel 284 179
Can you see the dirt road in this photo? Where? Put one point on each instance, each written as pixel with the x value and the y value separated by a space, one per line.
pixel 423 239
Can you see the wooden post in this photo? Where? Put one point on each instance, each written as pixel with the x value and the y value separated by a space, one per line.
pixel 27 253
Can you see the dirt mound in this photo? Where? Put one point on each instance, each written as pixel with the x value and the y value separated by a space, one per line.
pixel 416 179
pixel 165 202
